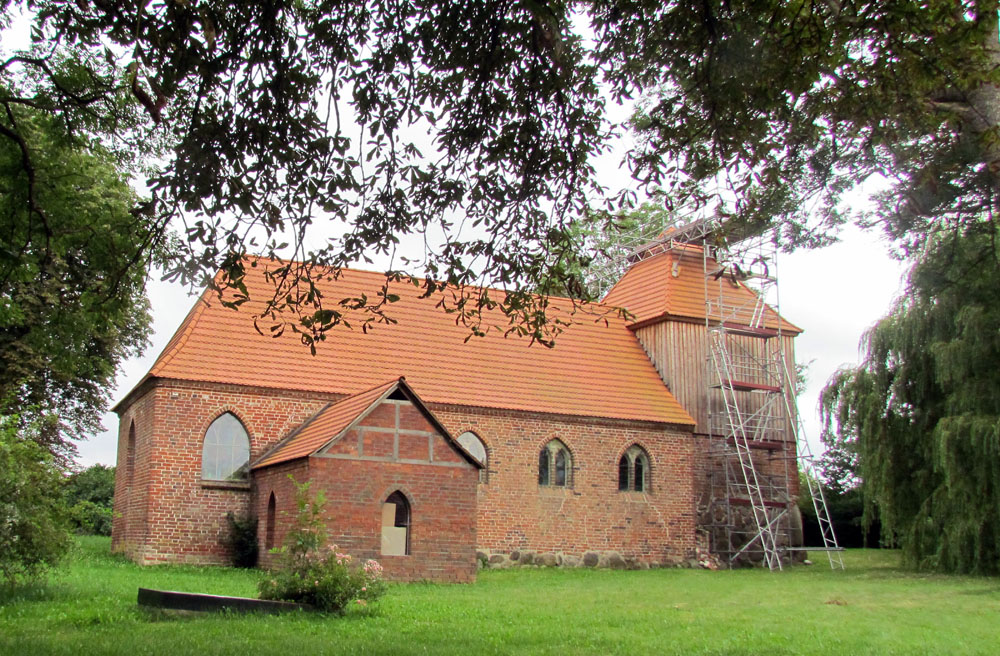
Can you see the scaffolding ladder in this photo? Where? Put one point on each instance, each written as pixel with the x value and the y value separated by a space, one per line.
pixel 757 441
pixel 760 446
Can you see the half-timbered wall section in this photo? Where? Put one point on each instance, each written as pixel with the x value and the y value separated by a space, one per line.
pixel 393 449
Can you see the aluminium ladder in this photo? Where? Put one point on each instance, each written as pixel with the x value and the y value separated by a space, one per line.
pixel 752 408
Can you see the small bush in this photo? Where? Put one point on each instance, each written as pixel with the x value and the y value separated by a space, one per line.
pixel 89 518
pixel 330 582
pixel 310 573
pixel 34 528
pixel 242 540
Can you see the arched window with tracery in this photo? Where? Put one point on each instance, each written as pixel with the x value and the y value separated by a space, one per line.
pixel 555 465
pixel 225 454
pixel 477 449
pixel 633 470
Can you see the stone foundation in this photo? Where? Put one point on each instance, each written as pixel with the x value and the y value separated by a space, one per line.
pixel 489 559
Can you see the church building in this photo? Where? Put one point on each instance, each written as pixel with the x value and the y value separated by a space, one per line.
pixel 435 451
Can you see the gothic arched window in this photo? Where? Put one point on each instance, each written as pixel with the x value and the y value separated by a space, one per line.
pixel 633 470
pixel 225 454
pixel 555 465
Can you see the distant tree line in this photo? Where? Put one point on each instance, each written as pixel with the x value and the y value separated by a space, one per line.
pixel 89 495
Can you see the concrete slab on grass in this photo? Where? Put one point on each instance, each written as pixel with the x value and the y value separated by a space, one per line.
pixel 207 603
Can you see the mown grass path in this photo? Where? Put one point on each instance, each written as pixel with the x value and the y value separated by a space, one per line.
pixel 872 608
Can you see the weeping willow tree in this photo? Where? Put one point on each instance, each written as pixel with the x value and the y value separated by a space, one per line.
pixel 922 410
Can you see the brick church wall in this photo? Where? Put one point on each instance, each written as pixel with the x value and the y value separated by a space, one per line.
pixel 182 519
pixel 382 455
pixel 591 514
pixel 279 481
pixel 131 501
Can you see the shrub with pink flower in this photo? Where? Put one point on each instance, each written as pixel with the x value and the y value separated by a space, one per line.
pixel 372 568
pixel 323 577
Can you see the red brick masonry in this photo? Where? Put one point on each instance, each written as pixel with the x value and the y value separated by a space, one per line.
pixel 395 448
pixel 165 513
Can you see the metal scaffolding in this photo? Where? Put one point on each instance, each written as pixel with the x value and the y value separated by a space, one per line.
pixel 757 442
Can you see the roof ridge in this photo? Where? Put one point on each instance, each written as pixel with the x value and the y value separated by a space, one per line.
pixel 406 276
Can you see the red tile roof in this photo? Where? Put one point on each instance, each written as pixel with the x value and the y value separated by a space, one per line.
pixel 596 369
pixel 650 290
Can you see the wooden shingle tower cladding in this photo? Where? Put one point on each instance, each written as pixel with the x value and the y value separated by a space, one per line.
pixel 728 357
pixel 672 330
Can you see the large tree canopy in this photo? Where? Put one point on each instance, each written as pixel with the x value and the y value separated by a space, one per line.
pixel 389 117
pixel 73 260
pixel 773 110
pixel 922 411
pixel 474 124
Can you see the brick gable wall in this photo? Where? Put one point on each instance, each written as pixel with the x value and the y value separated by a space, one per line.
pixel 393 449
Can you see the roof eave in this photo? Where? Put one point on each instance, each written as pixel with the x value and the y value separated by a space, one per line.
pixel 786 328
pixel 288 438
pixel 127 400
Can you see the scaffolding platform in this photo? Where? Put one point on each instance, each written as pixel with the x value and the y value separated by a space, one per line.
pixel 738 501
pixel 734 328
pixel 766 445
pixel 814 549
pixel 748 386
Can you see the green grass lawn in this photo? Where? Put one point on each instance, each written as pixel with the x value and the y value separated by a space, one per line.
pixel 872 608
